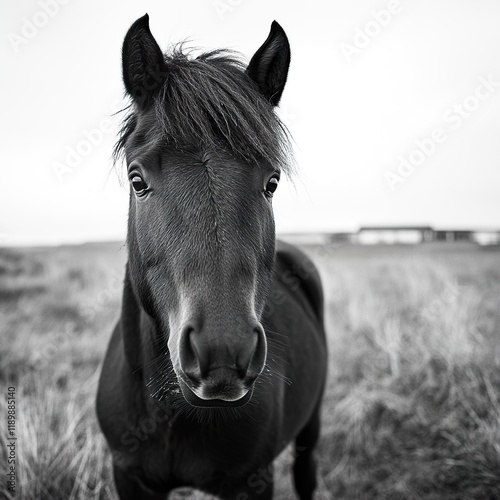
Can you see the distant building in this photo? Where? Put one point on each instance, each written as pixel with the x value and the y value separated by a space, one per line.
pixel 453 235
pixel 343 237
pixel 305 238
pixel 405 235
pixel 485 238
pixel 395 235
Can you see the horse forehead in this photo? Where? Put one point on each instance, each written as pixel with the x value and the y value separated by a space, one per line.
pixel 220 181
pixel 216 165
pixel 211 200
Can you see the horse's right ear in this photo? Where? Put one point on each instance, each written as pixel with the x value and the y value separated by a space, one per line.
pixel 143 66
pixel 268 68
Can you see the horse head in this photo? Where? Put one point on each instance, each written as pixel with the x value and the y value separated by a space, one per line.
pixel 204 151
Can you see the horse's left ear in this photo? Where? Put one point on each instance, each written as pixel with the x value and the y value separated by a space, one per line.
pixel 143 66
pixel 269 66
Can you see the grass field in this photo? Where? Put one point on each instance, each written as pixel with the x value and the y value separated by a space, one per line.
pixel 412 409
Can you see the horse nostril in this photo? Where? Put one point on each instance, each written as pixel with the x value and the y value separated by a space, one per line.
pixel 200 351
pixel 260 354
pixel 190 354
pixel 252 357
pixel 245 356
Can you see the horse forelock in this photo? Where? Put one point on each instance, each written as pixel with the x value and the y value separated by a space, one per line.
pixel 207 103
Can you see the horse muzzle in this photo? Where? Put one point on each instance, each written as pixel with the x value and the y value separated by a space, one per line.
pixel 220 370
pixel 218 390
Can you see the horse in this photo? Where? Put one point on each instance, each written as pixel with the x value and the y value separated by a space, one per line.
pixel 218 360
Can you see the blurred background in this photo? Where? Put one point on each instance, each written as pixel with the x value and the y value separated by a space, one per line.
pixel 393 105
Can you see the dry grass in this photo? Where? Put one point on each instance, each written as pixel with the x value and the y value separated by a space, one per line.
pixel 412 409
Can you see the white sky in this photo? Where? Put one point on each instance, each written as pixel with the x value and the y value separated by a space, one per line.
pixel 351 121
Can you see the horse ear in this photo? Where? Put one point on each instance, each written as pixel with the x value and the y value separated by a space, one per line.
pixel 268 67
pixel 143 66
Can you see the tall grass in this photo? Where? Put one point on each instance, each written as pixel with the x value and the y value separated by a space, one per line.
pixel 57 310
pixel 412 407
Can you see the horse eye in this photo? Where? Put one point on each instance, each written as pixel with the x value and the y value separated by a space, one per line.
pixel 140 187
pixel 272 184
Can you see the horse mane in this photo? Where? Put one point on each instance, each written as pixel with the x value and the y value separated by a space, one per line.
pixel 209 102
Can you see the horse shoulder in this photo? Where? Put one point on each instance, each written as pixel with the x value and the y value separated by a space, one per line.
pixel 300 275
pixel 118 394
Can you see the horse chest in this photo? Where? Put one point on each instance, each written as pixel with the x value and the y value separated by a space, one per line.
pixel 211 453
pixel 202 455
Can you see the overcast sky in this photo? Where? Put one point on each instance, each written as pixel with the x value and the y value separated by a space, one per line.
pixel 394 108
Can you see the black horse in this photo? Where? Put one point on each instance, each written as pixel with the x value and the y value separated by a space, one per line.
pixel 218 360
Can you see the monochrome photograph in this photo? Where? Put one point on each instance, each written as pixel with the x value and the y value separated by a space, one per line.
pixel 250 250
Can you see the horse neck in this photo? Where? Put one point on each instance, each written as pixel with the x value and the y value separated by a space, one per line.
pixel 143 349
